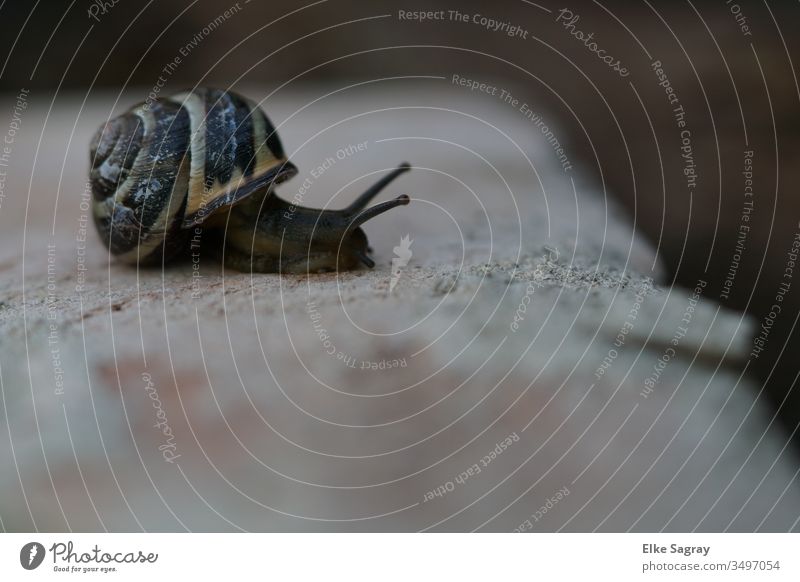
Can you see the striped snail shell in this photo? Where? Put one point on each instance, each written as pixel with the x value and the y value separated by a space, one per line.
pixel 165 166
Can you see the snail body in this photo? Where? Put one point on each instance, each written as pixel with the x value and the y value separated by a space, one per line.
pixel 208 161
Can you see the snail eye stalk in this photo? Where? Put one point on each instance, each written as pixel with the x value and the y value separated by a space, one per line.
pixel 361 202
pixel 374 211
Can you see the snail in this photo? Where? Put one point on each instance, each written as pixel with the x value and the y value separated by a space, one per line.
pixel 206 162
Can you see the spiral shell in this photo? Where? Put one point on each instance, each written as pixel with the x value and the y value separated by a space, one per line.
pixel 166 166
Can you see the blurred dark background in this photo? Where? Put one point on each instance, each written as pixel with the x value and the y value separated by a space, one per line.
pixel 729 63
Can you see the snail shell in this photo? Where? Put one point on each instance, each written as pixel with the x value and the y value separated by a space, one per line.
pixel 166 166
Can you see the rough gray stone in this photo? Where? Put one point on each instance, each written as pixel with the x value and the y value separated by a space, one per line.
pixel 524 281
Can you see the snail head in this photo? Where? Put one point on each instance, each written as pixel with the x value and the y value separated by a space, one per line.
pixel 310 240
pixel 339 231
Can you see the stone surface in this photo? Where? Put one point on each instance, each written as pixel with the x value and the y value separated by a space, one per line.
pixel 531 369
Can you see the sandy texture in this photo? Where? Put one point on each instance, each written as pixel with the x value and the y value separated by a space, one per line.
pixel 530 369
